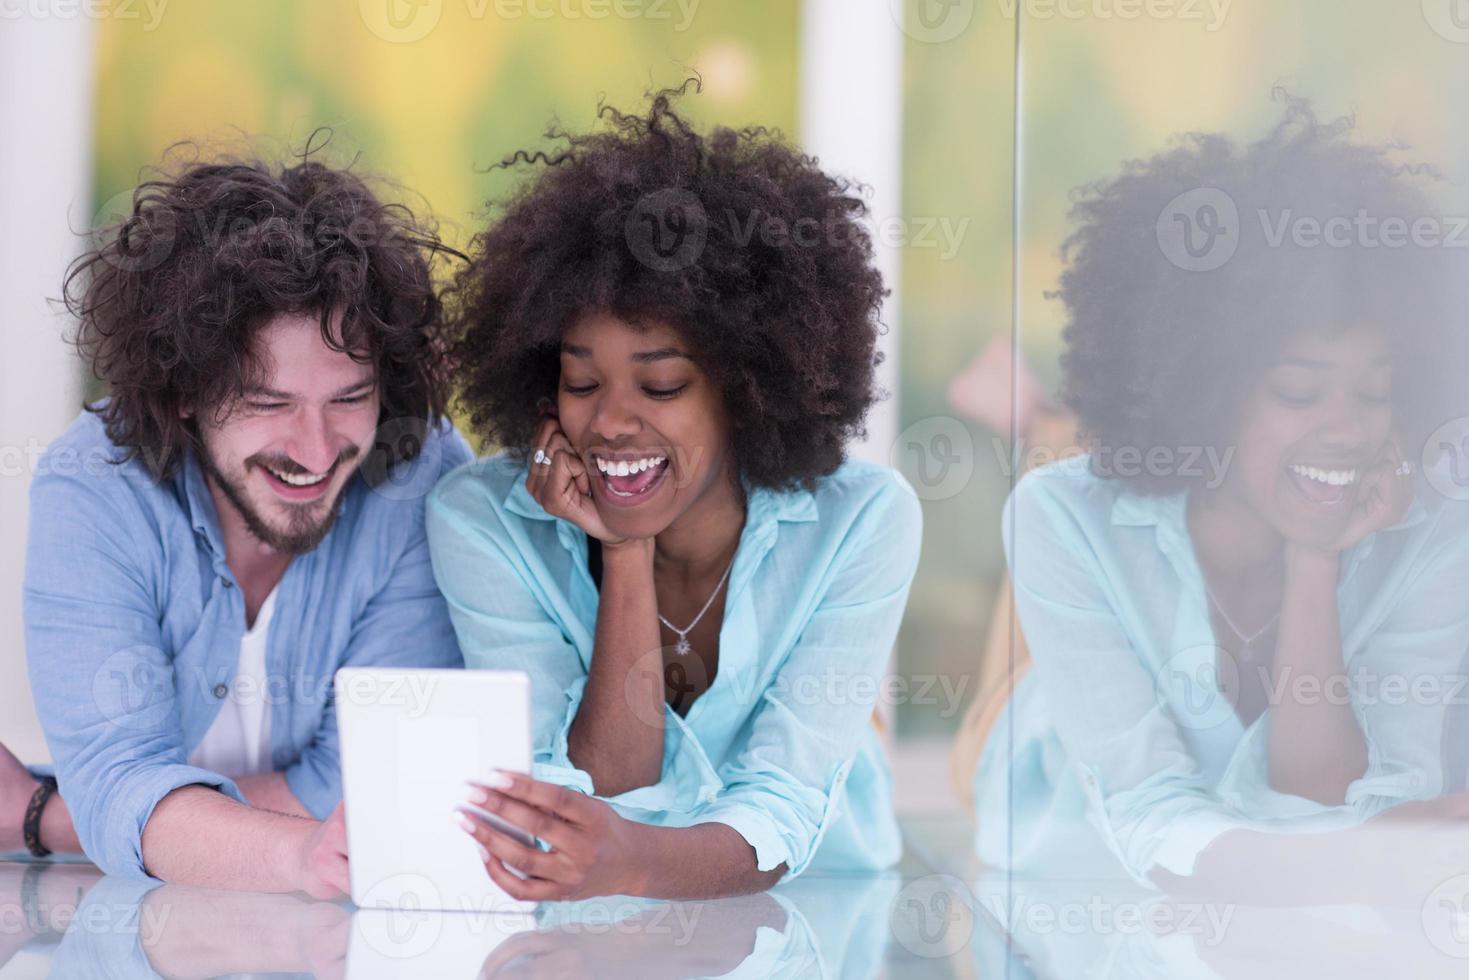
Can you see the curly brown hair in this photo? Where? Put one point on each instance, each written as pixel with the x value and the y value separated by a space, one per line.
pixel 170 298
pixel 736 239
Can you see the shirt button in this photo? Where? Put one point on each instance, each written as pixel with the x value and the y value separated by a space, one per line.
pixel 226 582
pixel 220 690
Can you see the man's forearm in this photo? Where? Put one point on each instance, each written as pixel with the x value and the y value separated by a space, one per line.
pixel 198 836
pixel 705 861
pixel 270 791
pixel 617 736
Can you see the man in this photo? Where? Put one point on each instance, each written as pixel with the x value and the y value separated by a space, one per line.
pixel 239 518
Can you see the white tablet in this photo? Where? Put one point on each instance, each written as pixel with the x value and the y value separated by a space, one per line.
pixel 410 742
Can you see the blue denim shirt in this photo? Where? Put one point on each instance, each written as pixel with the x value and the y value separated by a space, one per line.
pixel 133 623
pixel 781 746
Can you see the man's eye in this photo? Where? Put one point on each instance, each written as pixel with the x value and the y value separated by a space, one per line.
pixel 354 399
pixel 265 406
pixel 1295 397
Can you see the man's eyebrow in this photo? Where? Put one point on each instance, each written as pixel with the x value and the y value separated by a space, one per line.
pixel 264 391
pixel 367 382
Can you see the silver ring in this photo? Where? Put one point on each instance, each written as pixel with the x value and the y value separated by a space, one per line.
pixel 1405 468
pixel 541 458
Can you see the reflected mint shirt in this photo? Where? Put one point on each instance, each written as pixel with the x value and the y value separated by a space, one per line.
pixel 133 622
pixel 781 747
pixel 1120 729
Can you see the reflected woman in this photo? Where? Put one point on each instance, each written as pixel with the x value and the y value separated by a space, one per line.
pixel 1224 597
pixel 675 337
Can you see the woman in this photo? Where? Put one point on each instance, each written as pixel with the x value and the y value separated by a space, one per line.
pixel 1221 596
pixel 675 336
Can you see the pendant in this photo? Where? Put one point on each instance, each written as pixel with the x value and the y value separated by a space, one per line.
pixel 682 647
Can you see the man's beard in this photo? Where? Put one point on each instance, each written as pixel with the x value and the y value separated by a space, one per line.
pixel 303 535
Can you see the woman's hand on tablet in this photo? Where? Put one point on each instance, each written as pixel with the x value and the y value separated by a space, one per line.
pixel 594 851
pixel 324 861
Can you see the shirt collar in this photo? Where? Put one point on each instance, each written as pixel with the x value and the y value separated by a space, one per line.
pixel 200 501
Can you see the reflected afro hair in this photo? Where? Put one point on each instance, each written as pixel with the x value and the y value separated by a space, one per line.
pixel 1158 355
pixel 736 239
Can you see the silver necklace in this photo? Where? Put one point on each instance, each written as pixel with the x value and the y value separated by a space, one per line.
pixel 682 648
pixel 1244 640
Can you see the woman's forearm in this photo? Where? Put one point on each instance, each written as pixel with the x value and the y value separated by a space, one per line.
pixel 617 736
pixel 1316 746
pixel 705 861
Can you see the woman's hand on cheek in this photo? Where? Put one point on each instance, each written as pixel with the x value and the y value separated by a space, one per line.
pixel 564 487
pixel 1382 498
pixel 594 851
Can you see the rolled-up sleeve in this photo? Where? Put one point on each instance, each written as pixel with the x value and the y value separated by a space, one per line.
pixel 784 789
pixel 104 688
pixel 1409 675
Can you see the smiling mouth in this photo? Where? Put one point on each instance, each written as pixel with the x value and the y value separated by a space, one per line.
pixel 301 486
pixel 627 480
pixel 1323 487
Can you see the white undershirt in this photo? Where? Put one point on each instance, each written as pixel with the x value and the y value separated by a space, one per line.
pixel 238 743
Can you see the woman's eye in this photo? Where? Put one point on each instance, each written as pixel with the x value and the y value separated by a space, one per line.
pixel 1295 397
pixel 578 389
pixel 265 406
pixel 663 392
pixel 354 400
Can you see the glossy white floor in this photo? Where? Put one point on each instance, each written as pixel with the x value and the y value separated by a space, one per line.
pixel 1400 908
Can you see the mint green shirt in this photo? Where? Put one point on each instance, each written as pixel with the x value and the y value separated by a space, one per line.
pixel 781 747
pixel 1119 734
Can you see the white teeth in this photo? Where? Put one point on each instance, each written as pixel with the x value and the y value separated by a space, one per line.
pixel 298 479
pixel 1333 478
pixel 626 467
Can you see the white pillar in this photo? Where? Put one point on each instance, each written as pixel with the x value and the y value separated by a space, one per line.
pixel 46 60
pixel 850 115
